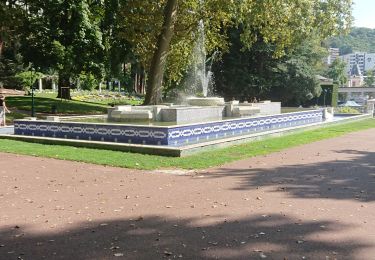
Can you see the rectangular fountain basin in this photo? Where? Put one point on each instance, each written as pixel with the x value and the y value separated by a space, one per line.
pixel 175 136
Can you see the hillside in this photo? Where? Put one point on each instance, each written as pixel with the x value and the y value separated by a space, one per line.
pixel 359 39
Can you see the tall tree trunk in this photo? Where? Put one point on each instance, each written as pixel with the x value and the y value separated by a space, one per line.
pixel 159 59
pixel 143 80
pixel 64 86
pixel 1 46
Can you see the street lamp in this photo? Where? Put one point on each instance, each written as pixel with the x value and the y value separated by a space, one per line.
pixel 324 97
pixel 32 94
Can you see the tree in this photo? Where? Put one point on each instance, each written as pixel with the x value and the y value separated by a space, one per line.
pixel 117 49
pixel 295 80
pixel 65 35
pixel 12 15
pixel 243 74
pixel 370 78
pixel 281 23
pixel 159 58
pixel 359 39
pixel 28 78
pixel 337 72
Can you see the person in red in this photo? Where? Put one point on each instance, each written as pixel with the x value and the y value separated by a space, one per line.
pixel 3 110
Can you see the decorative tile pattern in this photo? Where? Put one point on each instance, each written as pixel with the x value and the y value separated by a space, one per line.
pixel 172 136
pixel 179 136
pixel 108 133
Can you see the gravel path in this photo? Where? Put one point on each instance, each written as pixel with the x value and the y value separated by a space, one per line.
pixel 316 201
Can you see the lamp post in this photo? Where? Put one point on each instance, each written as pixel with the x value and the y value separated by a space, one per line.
pixel 324 97
pixel 32 95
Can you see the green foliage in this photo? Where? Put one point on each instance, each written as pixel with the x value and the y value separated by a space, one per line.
pixel 43 105
pixel 335 95
pixel 84 103
pixel 10 65
pixel 106 98
pixel 11 61
pixel 328 96
pixel 14 115
pixel 88 81
pixel 247 73
pixel 279 23
pixel 370 78
pixel 337 72
pixel 347 110
pixel 65 36
pixel 359 39
pixel 100 38
pixel 28 78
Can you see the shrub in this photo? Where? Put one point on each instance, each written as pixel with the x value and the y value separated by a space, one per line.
pixel 88 81
pixel 28 78
pixel 347 110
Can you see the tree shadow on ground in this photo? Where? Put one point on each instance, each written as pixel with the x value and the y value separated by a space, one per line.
pixel 352 179
pixel 153 237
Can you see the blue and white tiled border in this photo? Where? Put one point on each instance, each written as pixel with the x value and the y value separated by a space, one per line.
pixel 179 136
pixel 94 132
pixel 163 135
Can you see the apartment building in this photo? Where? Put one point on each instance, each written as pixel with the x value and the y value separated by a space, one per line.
pixel 365 61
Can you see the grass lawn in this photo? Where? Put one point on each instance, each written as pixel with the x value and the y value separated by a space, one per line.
pixel 13 115
pixel 197 161
pixel 43 105
pixel 89 104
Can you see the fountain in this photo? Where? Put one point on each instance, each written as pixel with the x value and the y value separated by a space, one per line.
pixel 201 74
pixel 199 120
pixel 198 109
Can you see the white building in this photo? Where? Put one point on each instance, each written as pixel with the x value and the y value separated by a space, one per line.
pixel 365 61
pixel 370 61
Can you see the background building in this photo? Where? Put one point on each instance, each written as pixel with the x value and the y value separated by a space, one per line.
pixel 365 61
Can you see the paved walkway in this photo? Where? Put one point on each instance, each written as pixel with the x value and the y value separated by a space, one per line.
pixel 316 201
pixel 6 130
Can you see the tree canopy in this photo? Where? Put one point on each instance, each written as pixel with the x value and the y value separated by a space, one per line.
pixel 89 39
pixel 257 73
pixel 358 40
pixel 337 72
pixel 282 23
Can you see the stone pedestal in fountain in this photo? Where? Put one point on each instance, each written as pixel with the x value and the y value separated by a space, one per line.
pixel 205 101
pixel 162 113
pixel 265 107
pixel 236 109
pixel 130 113
pixel 185 115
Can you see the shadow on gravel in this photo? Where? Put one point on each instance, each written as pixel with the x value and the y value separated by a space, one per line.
pixel 352 179
pixel 274 237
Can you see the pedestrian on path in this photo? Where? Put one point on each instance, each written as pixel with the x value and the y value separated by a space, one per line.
pixel 3 110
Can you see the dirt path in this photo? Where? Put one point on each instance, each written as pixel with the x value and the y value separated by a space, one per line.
pixel 311 202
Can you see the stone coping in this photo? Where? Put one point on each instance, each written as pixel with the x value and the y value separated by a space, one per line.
pixel 183 150
pixel 171 126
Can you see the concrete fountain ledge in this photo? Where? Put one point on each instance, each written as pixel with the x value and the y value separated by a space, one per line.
pixel 167 136
pixel 205 101
pixel 182 150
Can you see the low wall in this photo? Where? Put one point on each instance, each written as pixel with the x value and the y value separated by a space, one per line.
pixel 183 135
pixel 165 135
pixel 93 132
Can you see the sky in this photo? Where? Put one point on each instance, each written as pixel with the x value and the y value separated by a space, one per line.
pixel 363 12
